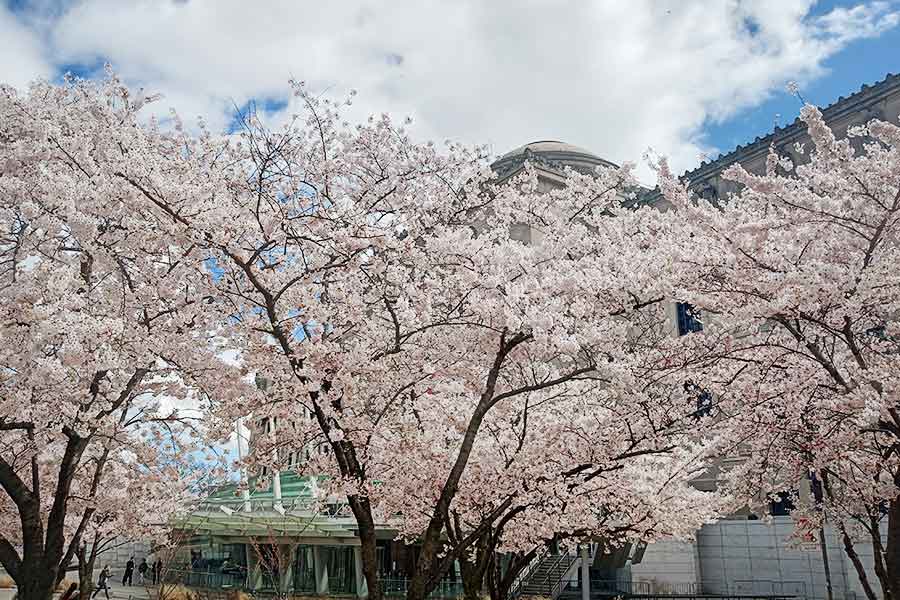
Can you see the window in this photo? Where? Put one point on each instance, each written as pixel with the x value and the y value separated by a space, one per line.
pixel 688 318
pixel 341 570
pixel 783 506
pixel 305 570
pixel 704 404
pixel 708 192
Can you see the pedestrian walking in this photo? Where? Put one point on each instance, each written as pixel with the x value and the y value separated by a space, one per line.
pixel 142 571
pixel 129 572
pixel 103 583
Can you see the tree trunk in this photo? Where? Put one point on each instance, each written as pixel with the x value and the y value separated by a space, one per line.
pixel 44 557
pixel 85 573
pixel 36 585
pixel 429 565
pixel 823 545
pixel 37 576
pixel 362 510
pixel 473 572
pixel 472 579
pixel 857 563
pixel 518 563
pixel 892 551
pixel 816 487
pixel 878 553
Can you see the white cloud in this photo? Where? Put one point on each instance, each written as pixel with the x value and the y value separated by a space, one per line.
pixel 21 52
pixel 614 77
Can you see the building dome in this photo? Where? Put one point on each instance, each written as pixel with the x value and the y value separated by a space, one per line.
pixel 551 154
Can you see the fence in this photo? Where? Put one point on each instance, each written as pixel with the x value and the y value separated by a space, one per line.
pixel 207 579
pixel 213 580
pixel 394 587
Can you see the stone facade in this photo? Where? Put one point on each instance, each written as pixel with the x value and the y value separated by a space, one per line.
pixel 878 101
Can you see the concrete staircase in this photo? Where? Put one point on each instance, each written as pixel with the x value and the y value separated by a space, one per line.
pixel 549 576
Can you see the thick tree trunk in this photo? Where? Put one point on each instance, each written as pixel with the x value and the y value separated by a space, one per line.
pixel 362 510
pixel 892 551
pixel 37 576
pixel 36 586
pixel 44 557
pixel 86 562
pixel 472 574
pixel 495 578
pixel 473 568
pixel 417 589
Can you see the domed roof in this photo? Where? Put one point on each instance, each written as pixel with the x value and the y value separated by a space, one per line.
pixel 543 146
pixel 552 154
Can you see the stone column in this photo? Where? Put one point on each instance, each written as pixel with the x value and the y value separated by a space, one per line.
pixel 362 589
pixel 585 572
pixel 276 476
pixel 276 489
pixel 245 494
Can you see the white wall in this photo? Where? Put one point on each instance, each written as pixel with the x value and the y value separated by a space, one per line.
pixel 756 557
pixel 666 563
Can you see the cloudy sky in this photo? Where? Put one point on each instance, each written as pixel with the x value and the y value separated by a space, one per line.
pixel 617 77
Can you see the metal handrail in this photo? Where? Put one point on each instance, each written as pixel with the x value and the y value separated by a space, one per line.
pixel 548 584
pixel 207 579
pixel 515 590
pixel 398 586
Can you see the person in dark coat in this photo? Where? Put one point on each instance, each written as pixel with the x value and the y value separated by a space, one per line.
pixel 103 583
pixel 142 571
pixel 129 572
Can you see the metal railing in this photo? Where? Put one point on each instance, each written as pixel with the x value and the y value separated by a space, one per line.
pixel 207 579
pixel 213 580
pixel 553 580
pixel 269 504
pixel 398 586
pixel 515 590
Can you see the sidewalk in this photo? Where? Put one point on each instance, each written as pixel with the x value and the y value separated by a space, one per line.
pixel 124 592
pixel 117 591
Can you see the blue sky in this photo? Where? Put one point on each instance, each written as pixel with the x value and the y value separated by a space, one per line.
pixel 685 78
pixel 864 61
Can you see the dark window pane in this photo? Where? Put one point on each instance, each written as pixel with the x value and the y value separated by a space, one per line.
pixel 688 320
pixel 783 506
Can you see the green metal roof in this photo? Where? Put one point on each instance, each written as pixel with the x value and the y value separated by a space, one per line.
pixel 293 486
pixel 301 513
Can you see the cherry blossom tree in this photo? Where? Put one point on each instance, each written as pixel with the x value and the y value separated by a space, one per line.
pixel 600 486
pixel 386 294
pixel 471 356
pixel 102 337
pixel 796 278
pixel 137 503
